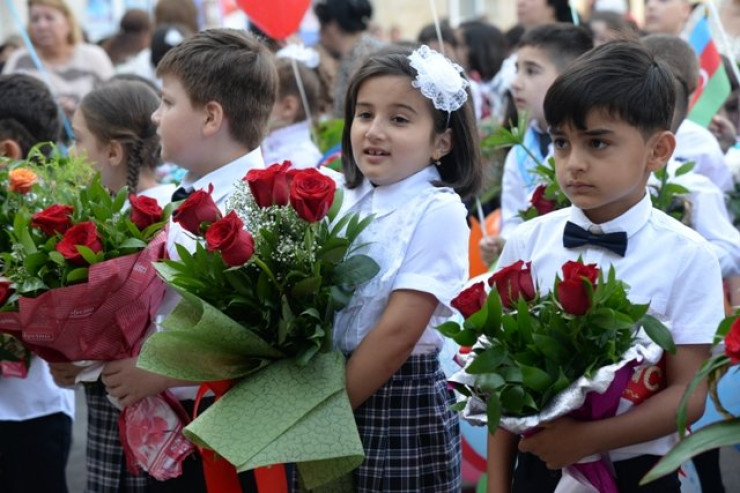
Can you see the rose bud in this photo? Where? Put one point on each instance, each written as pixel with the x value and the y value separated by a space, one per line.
pixel 54 219
pixel 271 186
pixel 85 234
pixel 198 208
pixel 145 211
pixel 21 180
pixel 311 194
pixel 229 237
pixel 514 282
pixel 470 300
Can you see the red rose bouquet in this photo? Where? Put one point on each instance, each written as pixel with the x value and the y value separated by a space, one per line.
pixel 723 433
pixel 537 357
pixel 81 273
pixel 31 184
pixel 259 296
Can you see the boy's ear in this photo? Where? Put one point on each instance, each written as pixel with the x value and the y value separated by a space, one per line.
pixel 11 149
pixel 442 144
pixel 214 118
pixel 662 149
pixel 116 153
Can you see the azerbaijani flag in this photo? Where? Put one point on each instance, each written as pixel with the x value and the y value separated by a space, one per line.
pixel 714 85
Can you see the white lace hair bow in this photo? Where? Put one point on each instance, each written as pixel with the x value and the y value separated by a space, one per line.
pixel 307 56
pixel 439 79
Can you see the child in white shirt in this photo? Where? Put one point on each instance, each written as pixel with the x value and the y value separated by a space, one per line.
pixel 409 145
pixel 609 116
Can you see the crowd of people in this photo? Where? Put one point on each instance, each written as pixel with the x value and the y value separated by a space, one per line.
pixel 162 105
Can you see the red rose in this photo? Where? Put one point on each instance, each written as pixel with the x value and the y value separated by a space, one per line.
pixel 470 300
pixel 196 209
pixel 539 202
pixel 732 342
pixel 145 211
pixel 54 219
pixel 572 293
pixel 5 292
pixel 85 234
pixel 513 282
pixel 311 194
pixel 228 236
pixel 271 186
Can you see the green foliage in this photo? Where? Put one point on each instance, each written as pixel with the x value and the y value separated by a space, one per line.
pixel 527 355
pixel 329 133
pixel 33 264
pixel 671 197
pixel 287 293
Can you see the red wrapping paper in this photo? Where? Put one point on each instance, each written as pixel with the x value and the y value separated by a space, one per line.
pixel 103 319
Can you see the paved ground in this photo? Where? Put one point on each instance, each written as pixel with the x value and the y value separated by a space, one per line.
pixel 730 458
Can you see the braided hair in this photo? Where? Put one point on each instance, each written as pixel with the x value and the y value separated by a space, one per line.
pixel 121 110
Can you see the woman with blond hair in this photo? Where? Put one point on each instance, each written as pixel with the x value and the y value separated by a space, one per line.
pixel 72 67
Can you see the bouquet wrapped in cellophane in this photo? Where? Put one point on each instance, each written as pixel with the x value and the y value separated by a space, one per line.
pixel 81 274
pixel 29 184
pixel 257 308
pixel 538 357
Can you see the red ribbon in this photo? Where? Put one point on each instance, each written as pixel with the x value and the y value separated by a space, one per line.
pixel 220 474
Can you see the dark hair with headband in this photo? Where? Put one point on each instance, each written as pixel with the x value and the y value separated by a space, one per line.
pixel 460 169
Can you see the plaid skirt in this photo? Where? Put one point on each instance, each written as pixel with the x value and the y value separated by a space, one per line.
pixel 106 461
pixel 410 436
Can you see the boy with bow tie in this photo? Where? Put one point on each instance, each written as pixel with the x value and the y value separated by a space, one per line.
pixel 609 116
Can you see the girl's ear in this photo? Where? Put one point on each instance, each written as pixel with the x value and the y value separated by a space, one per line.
pixel 662 149
pixel 10 149
pixel 442 144
pixel 116 153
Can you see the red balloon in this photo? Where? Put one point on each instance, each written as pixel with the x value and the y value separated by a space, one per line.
pixel 277 18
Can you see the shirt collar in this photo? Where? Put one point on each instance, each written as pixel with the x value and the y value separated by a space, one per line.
pixel 630 222
pixel 387 198
pixel 224 177
pixel 287 135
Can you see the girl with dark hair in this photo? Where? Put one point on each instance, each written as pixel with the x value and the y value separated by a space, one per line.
pixel 113 128
pixel 481 51
pixel 409 144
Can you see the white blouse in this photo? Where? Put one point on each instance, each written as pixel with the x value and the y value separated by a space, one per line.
pixel 419 237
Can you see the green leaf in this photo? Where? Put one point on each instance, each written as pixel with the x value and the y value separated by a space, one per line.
pixel 492 326
pixel 89 256
pixel 551 348
pixel 512 399
pixel 708 367
pixel 57 258
pixel 487 361
pixel 511 374
pixel 534 378
pixel 339 297
pixel 25 237
pixel 306 287
pixel 658 333
pixel 133 243
pixel 355 270
pixel 32 285
pixel 493 413
pixel 120 199
pixel 610 319
pixel 336 205
pixel 489 381
pixel 77 275
pixel 449 329
pixel 32 263
pixel 721 434
pixel 684 168
pixel 466 337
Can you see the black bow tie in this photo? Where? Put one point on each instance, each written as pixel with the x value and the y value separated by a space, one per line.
pixel 575 236
pixel 182 193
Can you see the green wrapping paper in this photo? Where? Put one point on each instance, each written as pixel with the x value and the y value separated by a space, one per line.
pixel 279 413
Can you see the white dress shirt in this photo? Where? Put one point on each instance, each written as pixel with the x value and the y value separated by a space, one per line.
pixel 419 237
pixel 708 216
pixel 35 396
pixel 519 181
pixel 696 143
pixel 292 143
pixel 666 264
